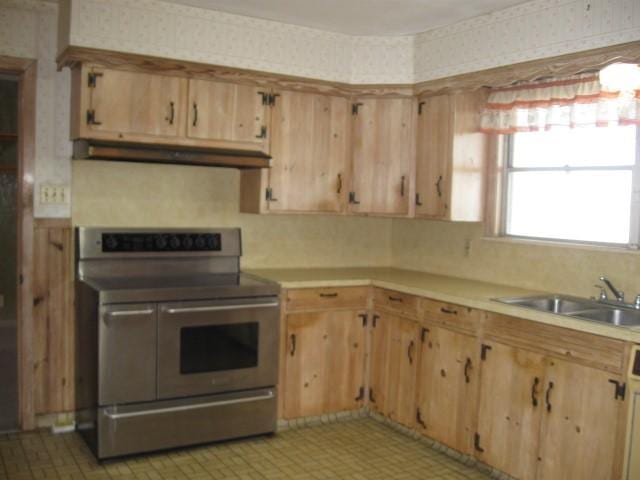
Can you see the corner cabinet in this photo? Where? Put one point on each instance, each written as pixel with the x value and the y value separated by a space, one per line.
pixel 310 148
pixel 383 154
pixel 451 157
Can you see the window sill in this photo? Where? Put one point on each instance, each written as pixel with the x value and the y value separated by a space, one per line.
pixel 563 244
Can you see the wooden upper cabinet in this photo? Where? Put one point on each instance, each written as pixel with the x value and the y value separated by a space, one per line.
pixel 451 157
pixel 121 105
pixel 580 422
pixel 511 403
pixel 382 156
pixel 447 387
pixel 310 146
pixel 325 360
pixel 228 114
pixel 394 365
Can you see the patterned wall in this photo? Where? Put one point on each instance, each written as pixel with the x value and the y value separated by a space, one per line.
pixel 28 29
pixel 536 29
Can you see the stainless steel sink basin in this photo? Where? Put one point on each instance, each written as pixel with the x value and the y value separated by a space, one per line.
pixel 612 315
pixel 551 303
pixel 578 308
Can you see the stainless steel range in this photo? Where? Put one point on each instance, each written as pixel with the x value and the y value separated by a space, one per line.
pixel 175 346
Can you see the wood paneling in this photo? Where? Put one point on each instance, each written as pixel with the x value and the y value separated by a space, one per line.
pixel 580 347
pixel 310 145
pixel 508 416
pixel 53 319
pixel 383 156
pixel 325 361
pixel 447 388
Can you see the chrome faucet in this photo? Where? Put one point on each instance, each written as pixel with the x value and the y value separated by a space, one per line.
pixel 616 293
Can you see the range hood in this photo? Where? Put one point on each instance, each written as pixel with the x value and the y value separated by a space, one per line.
pixel 130 152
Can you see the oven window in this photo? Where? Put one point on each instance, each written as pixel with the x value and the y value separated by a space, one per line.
pixel 218 347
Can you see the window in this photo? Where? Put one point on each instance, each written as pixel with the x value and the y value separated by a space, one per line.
pixel 573 184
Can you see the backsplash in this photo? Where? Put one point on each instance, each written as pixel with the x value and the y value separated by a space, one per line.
pixel 144 195
pixel 459 250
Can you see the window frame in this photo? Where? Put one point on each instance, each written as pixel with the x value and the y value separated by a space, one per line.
pixel 634 221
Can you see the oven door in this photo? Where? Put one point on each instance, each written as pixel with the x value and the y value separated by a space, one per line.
pixel 217 346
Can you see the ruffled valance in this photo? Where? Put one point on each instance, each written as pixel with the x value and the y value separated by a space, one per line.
pixel 579 100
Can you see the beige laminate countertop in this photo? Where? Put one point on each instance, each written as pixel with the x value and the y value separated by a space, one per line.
pixel 470 293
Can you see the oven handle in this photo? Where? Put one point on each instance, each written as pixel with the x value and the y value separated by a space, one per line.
pixel 182 408
pixel 220 307
pixel 127 313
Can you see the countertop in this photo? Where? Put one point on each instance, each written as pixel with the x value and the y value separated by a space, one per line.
pixel 470 293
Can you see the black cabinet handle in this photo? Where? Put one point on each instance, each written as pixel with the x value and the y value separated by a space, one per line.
pixel 328 295
pixel 418 201
pixel 548 395
pixel 172 113
pixel 438 186
pixel 410 351
pixel 534 391
pixel 395 299
pixel 293 344
pixel 467 366
pixel 448 311
pixel 402 185
pixel 339 183
pixel 195 114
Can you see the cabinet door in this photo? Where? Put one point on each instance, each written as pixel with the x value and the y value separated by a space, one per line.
pixel 447 387
pixel 433 157
pixel 579 423
pixel 383 156
pixel 310 150
pixel 511 403
pixel 394 362
pixel 130 103
pixel 233 116
pixel 324 363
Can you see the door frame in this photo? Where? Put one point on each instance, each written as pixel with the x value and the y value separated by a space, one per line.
pixel 26 71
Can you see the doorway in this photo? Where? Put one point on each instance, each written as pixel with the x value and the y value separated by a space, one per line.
pixel 9 418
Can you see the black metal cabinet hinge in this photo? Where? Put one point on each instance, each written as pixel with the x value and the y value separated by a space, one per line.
pixel 272 99
pixel 483 351
pixel 420 105
pixel 352 198
pixel 91 118
pixel 360 395
pixel 374 320
pixel 269 195
pixel 263 132
pixel 621 389
pixel 419 420
pixel 476 443
pixel 364 318
pixel 266 97
pixel 354 108
pixel 92 77
pixel 423 334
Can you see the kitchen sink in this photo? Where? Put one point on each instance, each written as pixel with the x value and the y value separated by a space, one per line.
pixel 578 308
pixel 612 315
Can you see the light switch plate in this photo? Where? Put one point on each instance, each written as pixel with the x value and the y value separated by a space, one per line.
pixel 54 194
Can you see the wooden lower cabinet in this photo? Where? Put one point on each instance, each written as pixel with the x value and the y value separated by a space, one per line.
pixel 510 405
pixel 325 360
pixel 447 387
pixel 394 365
pixel 578 437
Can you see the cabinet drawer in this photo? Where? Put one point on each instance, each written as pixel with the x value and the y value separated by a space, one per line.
pixel 401 303
pixel 450 315
pixel 327 298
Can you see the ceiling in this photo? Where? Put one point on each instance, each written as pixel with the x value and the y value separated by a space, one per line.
pixel 359 17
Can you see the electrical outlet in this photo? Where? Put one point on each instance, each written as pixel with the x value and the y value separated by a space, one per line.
pixel 54 194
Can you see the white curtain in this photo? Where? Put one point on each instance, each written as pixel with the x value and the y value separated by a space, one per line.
pixel 574 101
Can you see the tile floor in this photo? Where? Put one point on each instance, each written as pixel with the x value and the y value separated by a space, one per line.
pixel 357 450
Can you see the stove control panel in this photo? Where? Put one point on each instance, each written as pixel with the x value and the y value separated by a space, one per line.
pixel 161 242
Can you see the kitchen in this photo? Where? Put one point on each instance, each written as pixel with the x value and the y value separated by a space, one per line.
pixel 338 263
